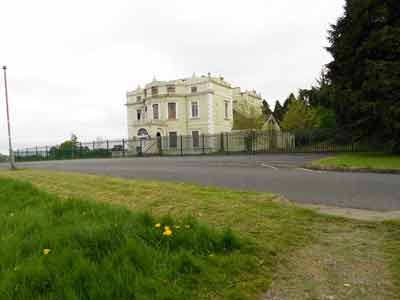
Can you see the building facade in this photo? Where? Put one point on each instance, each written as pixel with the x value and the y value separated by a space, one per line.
pixel 200 105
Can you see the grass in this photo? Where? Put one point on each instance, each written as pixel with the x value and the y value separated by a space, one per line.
pixel 266 232
pixel 377 161
pixel 392 246
pixel 98 251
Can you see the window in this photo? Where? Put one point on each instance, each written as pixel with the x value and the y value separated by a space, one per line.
pixel 139 114
pixel 226 110
pixel 194 89
pixel 142 132
pixel 196 138
pixel 155 112
pixel 138 98
pixel 195 109
pixel 154 91
pixel 173 139
pixel 172 111
pixel 171 89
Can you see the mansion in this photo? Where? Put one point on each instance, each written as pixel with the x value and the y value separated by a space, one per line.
pixel 192 107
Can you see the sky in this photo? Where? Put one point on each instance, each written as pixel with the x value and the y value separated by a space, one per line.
pixel 70 63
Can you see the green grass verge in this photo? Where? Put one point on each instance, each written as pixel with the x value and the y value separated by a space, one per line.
pixel 265 230
pixel 377 161
pixel 392 250
pixel 272 229
pixel 98 251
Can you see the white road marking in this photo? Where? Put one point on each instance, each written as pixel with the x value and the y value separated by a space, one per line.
pixel 309 170
pixel 268 166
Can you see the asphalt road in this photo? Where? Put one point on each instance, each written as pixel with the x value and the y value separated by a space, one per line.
pixel 276 173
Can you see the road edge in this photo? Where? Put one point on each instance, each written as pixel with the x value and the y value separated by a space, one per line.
pixel 351 170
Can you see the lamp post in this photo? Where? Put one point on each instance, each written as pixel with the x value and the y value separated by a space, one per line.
pixel 11 154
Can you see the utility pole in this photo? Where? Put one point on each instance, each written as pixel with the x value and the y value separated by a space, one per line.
pixel 11 153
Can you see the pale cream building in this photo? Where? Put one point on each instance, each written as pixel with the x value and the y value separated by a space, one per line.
pixel 195 106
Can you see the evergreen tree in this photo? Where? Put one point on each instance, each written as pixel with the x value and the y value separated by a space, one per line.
pixel 365 72
pixel 322 99
pixel 278 111
pixel 266 109
pixel 323 94
pixel 287 102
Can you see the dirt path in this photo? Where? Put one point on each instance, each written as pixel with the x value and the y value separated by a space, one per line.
pixel 347 263
pixel 351 213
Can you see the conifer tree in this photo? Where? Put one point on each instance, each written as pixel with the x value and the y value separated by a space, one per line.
pixel 365 72
pixel 278 111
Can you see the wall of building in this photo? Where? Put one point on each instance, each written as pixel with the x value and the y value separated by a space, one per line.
pixel 212 92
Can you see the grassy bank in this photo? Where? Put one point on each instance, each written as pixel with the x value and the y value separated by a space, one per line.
pixel 53 249
pixel 268 234
pixel 371 161
pixel 392 250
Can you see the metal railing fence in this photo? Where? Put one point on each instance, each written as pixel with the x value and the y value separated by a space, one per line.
pixel 295 141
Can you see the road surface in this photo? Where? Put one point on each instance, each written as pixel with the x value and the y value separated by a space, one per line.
pixel 277 173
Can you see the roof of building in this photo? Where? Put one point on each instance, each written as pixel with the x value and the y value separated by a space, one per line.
pixel 194 79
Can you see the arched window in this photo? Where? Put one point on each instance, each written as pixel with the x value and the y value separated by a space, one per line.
pixel 143 132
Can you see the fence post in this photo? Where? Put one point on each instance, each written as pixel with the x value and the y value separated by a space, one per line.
pixel 249 142
pixel 253 142
pixel 181 145
pixel 107 148
pixel 202 137
pixel 37 154
pixel 123 147
pixel 159 145
pixel 222 142
pixel 227 142
pixel 47 152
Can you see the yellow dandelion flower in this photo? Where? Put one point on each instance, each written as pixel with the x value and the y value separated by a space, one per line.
pixel 46 251
pixel 167 233
pixel 167 228
pixel 158 225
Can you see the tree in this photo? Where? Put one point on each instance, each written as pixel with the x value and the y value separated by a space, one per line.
pixel 365 71
pixel 322 99
pixel 266 109
pixel 69 145
pixel 323 94
pixel 278 111
pixel 326 117
pixel 74 139
pixel 66 149
pixel 300 116
pixel 248 116
pixel 287 102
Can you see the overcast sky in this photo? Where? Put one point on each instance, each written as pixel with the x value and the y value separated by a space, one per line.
pixel 71 62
